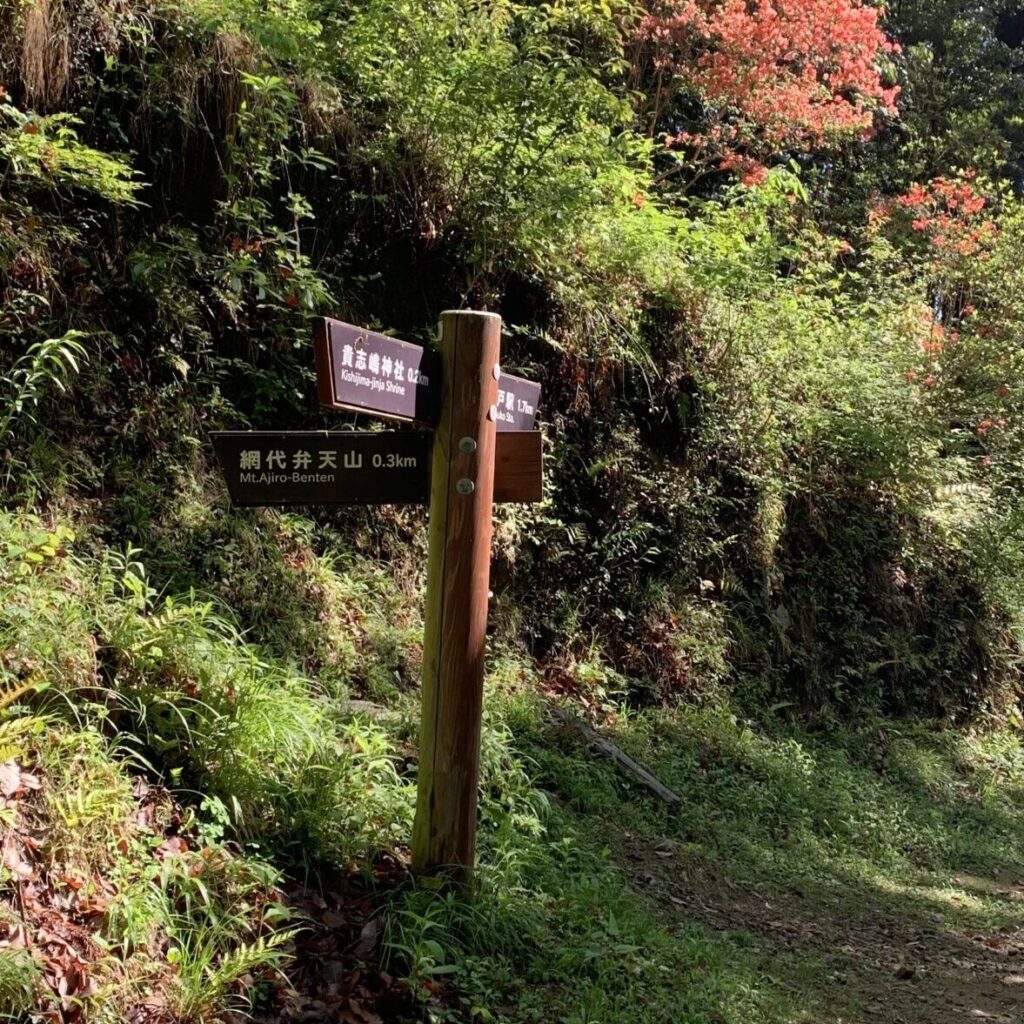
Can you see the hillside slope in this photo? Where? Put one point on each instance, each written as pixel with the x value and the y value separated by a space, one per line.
pixel 779 558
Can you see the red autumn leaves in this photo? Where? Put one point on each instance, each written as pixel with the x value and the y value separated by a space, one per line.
pixel 772 75
pixel 949 213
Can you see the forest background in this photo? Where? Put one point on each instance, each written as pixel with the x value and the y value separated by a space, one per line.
pixel 765 259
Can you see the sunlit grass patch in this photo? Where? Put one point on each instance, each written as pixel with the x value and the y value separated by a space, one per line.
pixel 128 883
pixel 555 933
pixel 889 812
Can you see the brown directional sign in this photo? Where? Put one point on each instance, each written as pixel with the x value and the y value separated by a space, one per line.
pixel 518 466
pixel 324 467
pixel 364 371
pixel 319 467
pixel 484 447
pixel 518 403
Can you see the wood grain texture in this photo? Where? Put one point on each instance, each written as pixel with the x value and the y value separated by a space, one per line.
pixel 458 577
pixel 322 362
pixel 519 466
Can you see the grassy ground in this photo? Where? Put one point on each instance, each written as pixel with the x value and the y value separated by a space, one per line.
pixel 177 798
pixel 874 873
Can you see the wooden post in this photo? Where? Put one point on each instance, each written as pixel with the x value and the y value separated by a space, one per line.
pixel 458 577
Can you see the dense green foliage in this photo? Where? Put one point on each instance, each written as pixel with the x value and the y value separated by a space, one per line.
pixel 744 480
pixel 785 430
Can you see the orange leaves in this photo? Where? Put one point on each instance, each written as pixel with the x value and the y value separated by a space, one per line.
pixel 990 424
pixel 773 74
pixel 172 846
pixel 948 214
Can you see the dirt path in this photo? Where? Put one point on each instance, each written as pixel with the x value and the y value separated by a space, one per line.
pixel 895 970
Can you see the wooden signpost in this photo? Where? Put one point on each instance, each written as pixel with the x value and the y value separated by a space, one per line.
pixel 484 448
pixel 458 580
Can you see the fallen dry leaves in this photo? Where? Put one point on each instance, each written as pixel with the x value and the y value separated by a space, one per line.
pixel 46 922
pixel 58 909
pixel 337 976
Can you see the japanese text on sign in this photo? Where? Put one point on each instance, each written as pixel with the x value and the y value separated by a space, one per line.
pixel 365 371
pixel 301 468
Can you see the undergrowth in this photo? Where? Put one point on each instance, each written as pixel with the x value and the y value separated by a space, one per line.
pixel 146 906
pixel 892 815
pixel 215 712
pixel 780 555
pixel 888 819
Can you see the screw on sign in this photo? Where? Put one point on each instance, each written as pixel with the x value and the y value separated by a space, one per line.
pixel 484 448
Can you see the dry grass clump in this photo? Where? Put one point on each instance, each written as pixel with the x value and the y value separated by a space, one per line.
pixel 46 46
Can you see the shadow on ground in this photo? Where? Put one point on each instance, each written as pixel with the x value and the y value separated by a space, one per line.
pixel 892 857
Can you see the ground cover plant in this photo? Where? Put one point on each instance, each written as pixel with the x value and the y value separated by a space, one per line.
pixel 765 259
pixel 871 874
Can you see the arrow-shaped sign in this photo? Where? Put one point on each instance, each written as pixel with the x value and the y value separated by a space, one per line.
pixel 321 467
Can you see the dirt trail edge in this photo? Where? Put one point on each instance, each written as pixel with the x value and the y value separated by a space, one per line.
pixel 895 970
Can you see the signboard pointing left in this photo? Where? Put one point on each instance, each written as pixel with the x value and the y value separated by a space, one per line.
pixel 364 371
pixel 320 467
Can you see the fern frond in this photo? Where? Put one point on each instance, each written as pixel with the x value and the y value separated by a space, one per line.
pixel 13 733
pixel 10 694
pixel 264 952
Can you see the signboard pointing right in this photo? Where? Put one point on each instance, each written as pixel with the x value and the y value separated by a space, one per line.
pixel 518 403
